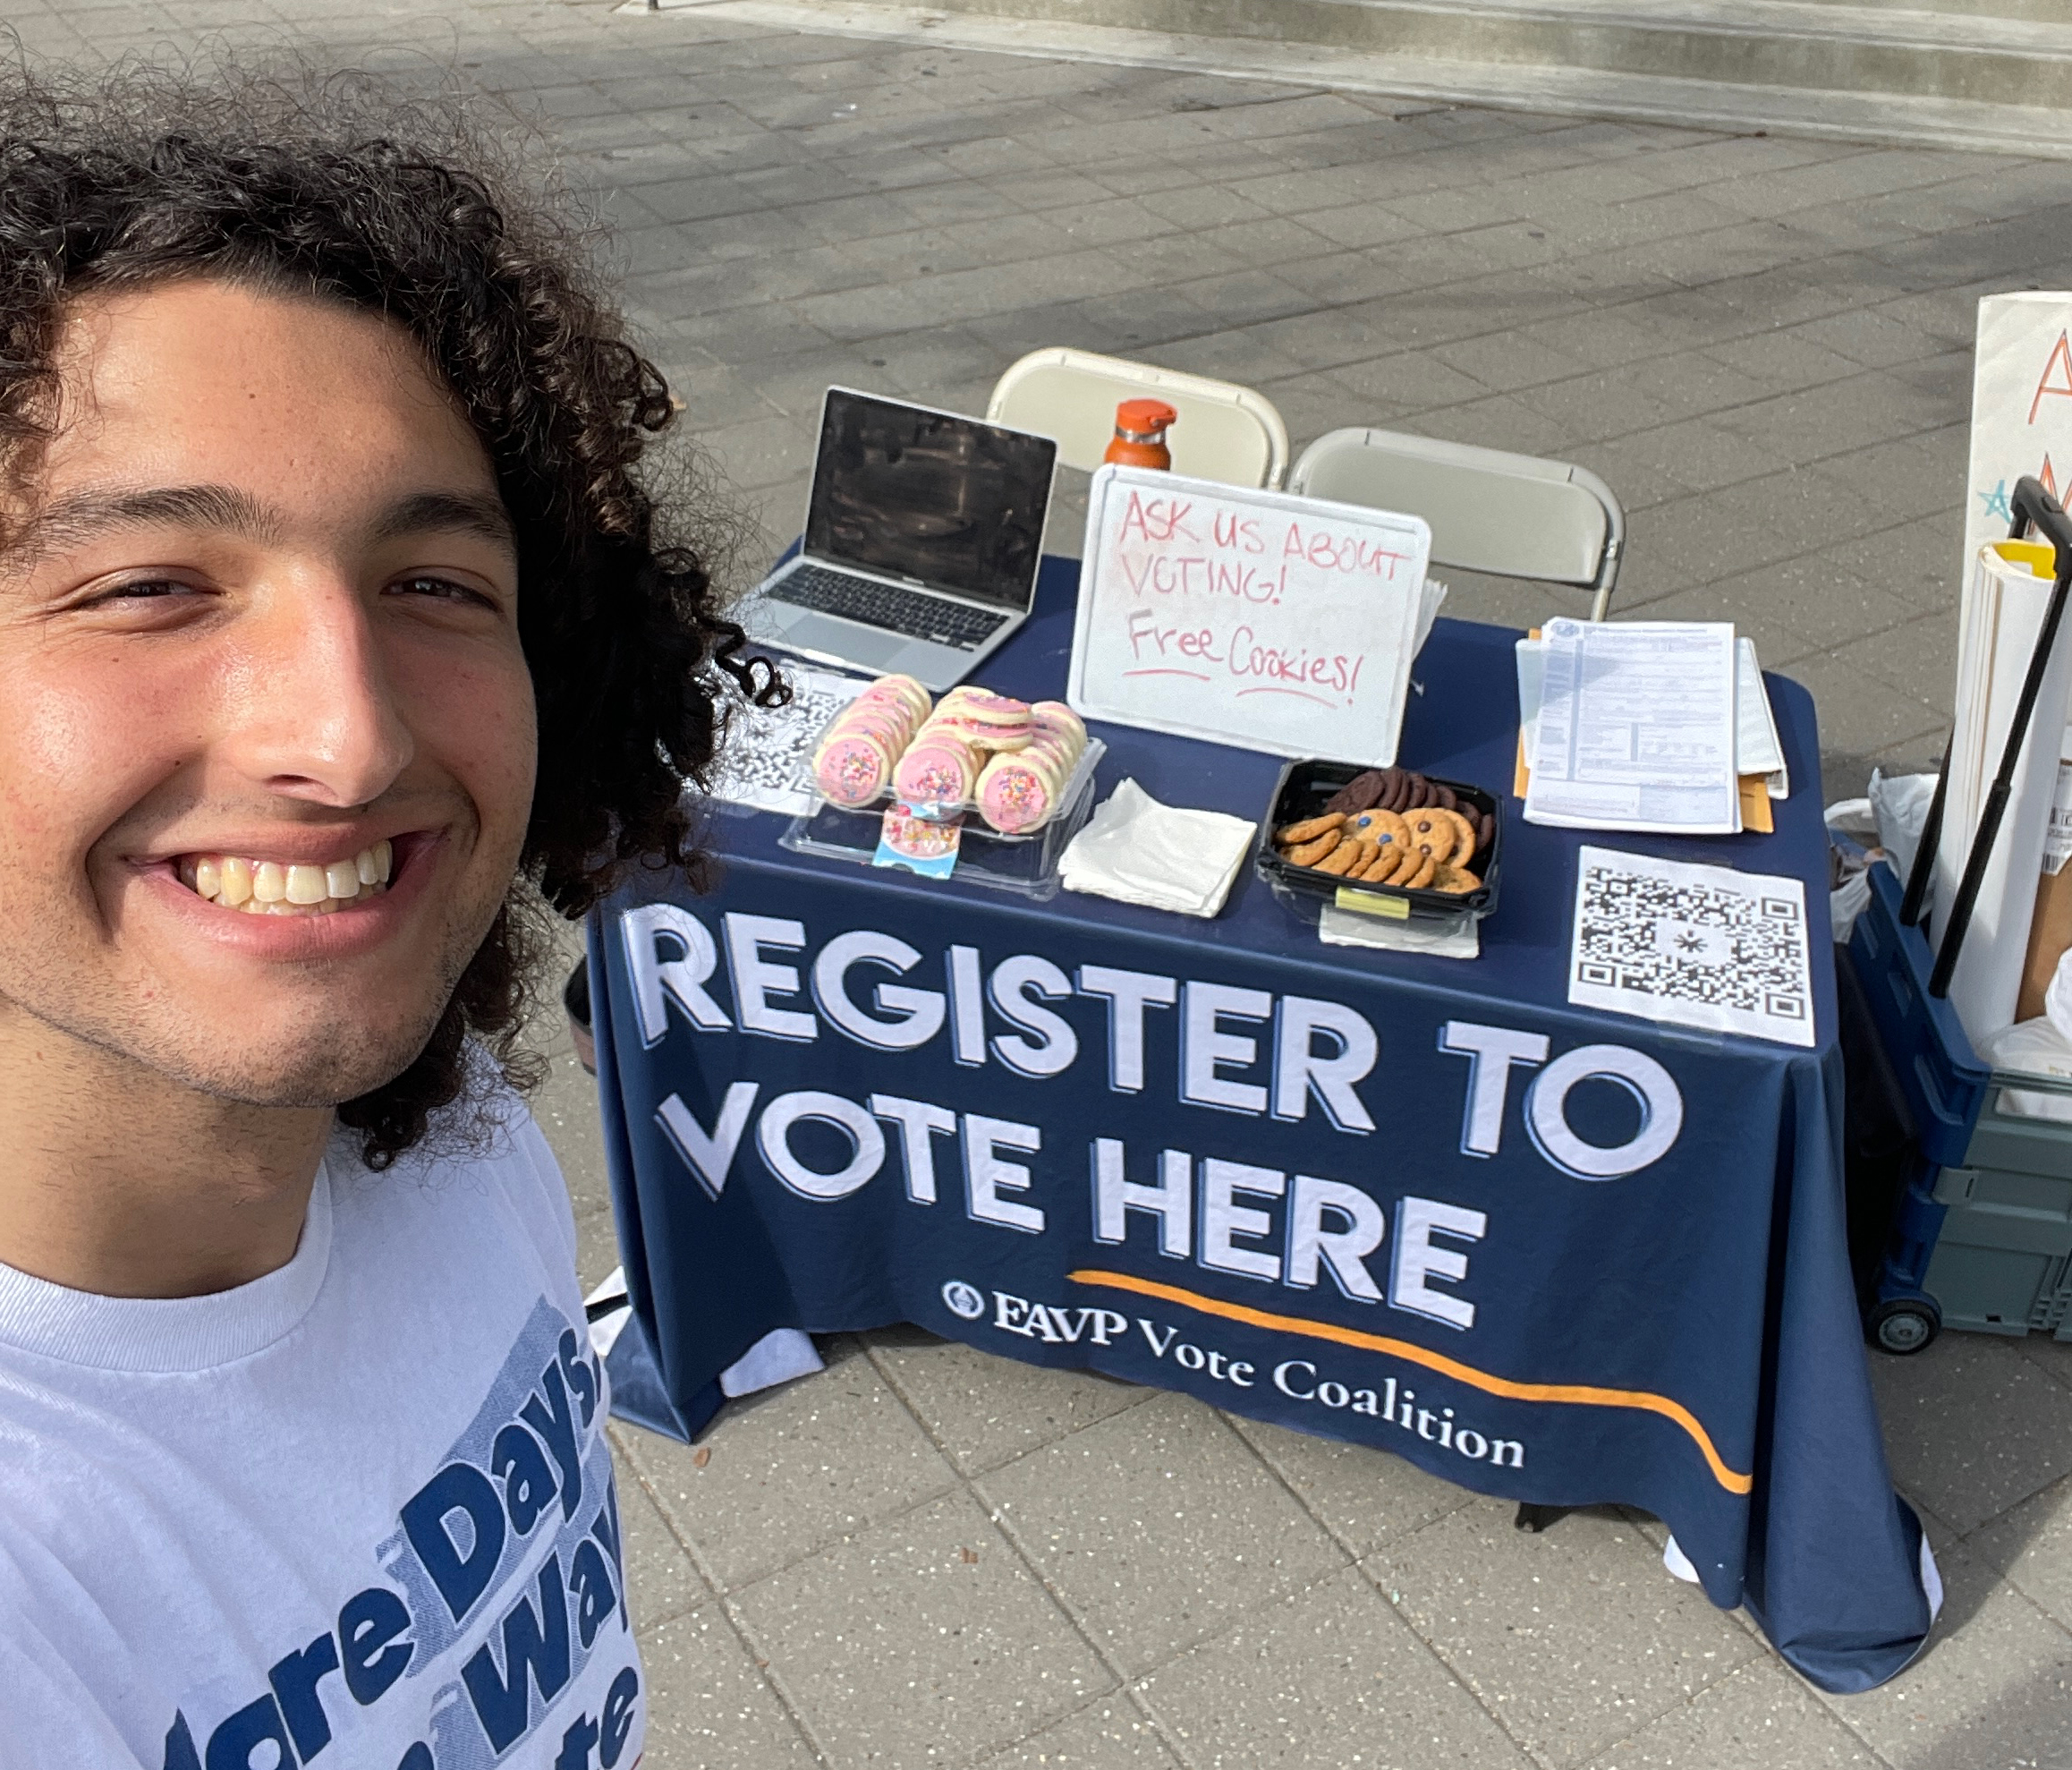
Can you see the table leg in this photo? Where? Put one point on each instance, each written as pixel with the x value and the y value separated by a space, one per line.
pixel 1536 1518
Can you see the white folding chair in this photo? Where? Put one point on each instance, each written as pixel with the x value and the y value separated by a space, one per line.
pixel 1511 515
pixel 1224 431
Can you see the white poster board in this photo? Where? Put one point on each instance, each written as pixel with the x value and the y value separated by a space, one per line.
pixel 1256 618
pixel 2021 410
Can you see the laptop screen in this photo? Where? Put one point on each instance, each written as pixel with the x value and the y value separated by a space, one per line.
pixel 950 503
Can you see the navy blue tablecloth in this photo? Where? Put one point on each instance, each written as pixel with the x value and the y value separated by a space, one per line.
pixel 1378 1196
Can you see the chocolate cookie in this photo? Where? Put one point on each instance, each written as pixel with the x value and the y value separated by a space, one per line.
pixel 1357 794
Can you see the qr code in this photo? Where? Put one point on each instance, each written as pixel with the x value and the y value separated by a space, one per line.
pixel 1700 946
pixel 764 757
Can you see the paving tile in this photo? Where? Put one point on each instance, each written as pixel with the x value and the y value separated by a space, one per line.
pixel 1331 1676
pixel 1783 360
pixel 1244 297
pixel 1921 473
pixel 1109 1734
pixel 1576 1636
pixel 1795 608
pixel 1500 421
pixel 792 1470
pixel 1157 1528
pixel 1757 1715
pixel 708 1705
pixel 986 1410
pixel 1858 713
pixel 662 1581
pixel 1836 418
pixel 1972 1425
pixel 1502 361
pixel 597 1245
pixel 1363 1497
pixel 1993 1688
pixel 1650 467
pixel 1409 380
pixel 565 1105
pixel 934 1610
pixel 2050 1354
pixel 761 451
pixel 2030 1546
pixel 1600 402
pixel 1351 226
pixel 1918 657
pixel 1920 559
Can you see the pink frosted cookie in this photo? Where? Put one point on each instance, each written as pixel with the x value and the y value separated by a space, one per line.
pixel 852 768
pixel 937 769
pixel 990 722
pixel 1017 793
pixel 898 696
pixel 1056 718
pixel 903 690
pixel 888 725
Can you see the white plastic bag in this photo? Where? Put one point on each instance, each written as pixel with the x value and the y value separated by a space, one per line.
pixel 1853 818
pixel 2033 1047
pixel 1851 831
pixel 1899 805
pixel 1847 902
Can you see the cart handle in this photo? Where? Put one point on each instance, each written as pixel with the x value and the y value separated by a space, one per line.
pixel 2031 506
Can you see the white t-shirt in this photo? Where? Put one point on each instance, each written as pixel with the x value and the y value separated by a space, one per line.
pixel 359 1511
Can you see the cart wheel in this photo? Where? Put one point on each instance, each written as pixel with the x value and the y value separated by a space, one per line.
pixel 1905 1324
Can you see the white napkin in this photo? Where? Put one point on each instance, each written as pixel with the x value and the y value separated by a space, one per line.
pixel 1140 852
pixel 1349 928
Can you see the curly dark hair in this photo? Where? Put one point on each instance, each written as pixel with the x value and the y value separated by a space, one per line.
pixel 342 189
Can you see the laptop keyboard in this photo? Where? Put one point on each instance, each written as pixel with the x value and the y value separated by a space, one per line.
pixel 890 607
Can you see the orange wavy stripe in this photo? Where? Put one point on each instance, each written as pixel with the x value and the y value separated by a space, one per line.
pixel 1579 1394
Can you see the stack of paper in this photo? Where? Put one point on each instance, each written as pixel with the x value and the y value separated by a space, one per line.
pixel 1999 622
pixel 1756 750
pixel 1758 758
pixel 1636 727
pixel 1140 852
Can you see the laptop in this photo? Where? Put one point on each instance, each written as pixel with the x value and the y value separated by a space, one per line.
pixel 924 533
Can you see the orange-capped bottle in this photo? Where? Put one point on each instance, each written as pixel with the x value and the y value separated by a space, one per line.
pixel 1140 434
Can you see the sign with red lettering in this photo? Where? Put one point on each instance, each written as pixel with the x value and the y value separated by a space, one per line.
pixel 1258 618
pixel 2021 409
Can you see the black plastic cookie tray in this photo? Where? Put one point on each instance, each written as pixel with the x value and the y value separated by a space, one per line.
pixel 1302 793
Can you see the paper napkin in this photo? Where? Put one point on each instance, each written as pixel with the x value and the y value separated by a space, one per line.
pixel 1140 852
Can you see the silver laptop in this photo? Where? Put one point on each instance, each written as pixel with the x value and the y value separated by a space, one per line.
pixel 924 533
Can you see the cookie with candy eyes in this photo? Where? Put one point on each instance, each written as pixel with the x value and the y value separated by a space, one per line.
pixel 1435 832
pixel 1379 826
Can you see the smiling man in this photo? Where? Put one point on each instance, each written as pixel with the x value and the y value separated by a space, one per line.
pixel 335 630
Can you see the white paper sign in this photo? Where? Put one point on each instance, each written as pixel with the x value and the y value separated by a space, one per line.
pixel 1257 618
pixel 1691 945
pixel 766 755
pixel 2021 410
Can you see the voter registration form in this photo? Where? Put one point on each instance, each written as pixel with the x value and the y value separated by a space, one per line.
pixel 1637 728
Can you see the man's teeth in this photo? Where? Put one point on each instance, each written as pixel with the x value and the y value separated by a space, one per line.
pixel 268 887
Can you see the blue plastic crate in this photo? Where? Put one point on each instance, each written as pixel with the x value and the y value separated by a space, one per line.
pixel 1945 1086
pixel 1944 1082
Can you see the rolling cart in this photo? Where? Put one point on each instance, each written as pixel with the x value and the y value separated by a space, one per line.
pixel 1960 1211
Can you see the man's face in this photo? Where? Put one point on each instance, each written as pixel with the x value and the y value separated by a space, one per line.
pixel 266 736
